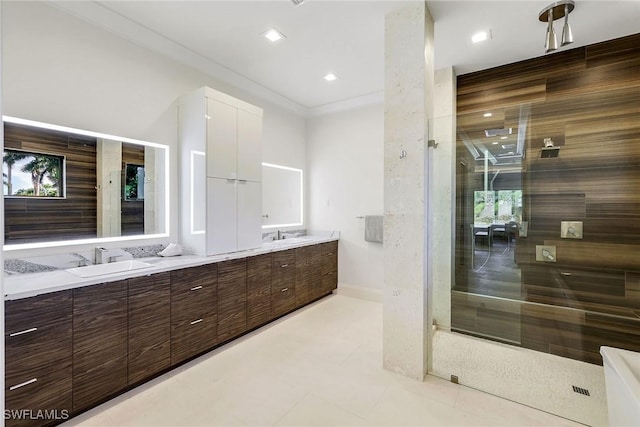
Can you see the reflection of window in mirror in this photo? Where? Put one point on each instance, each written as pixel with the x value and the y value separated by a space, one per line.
pixel 78 178
pixel 28 174
pixel 134 182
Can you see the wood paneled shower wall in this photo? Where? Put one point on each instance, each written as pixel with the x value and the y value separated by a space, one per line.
pixel 588 101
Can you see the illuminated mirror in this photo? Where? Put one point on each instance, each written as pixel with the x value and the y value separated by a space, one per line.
pixel 282 196
pixel 66 186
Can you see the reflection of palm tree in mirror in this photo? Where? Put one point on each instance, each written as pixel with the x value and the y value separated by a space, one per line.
pixel 10 158
pixel 40 168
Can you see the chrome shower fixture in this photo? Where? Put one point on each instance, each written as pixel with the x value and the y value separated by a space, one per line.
pixel 549 14
pixel 549 150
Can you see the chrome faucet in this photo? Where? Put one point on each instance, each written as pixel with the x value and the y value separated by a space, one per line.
pixel 82 260
pixel 101 255
pixel 280 235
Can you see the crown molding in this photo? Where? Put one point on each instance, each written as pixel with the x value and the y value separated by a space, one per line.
pixel 347 104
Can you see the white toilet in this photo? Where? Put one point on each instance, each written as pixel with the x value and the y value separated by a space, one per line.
pixel 622 379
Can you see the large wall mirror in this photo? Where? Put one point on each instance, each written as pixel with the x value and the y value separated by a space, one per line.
pixel 67 186
pixel 282 196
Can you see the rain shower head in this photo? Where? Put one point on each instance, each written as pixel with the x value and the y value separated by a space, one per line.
pixel 557 10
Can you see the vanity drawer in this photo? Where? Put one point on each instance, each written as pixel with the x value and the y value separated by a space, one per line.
pixel 47 388
pixel 329 282
pixel 38 331
pixel 193 292
pixel 193 303
pixel 191 337
pixel 186 280
pixel 283 282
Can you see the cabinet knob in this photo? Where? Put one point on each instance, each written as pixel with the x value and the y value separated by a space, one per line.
pixel 284 265
pixel 31 381
pixel 195 288
pixel 284 290
pixel 26 331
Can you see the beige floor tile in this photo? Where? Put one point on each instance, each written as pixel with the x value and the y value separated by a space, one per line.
pixel 320 366
pixel 315 411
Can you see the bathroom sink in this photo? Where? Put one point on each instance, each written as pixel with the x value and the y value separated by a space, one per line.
pixel 110 268
pixel 292 240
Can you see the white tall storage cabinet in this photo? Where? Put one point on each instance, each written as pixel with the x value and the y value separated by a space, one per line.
pixel 220 173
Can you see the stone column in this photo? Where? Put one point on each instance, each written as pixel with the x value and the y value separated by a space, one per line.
pixel 109 187
pixel 408 105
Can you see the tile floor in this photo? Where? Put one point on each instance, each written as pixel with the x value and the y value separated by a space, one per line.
pixel 320 366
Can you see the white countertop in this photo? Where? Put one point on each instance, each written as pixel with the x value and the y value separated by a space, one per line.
pixel 28 285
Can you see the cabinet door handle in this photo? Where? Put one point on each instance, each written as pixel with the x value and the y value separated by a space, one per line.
pixel 26 331
pixel 31 381
pixel 565 273
pixel 196 321
pixel 284 290
pixel 330 254
pixel 195 288
pixel 284 265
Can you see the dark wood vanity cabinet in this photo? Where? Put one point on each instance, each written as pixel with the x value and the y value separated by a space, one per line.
pixel 38 349
pixel 100 323
pixel 329 252
pixel 232 299
pixel 283 280
pixel 258 290
pixel 194 318
pixel 308 274
pixel 149 326
pixel 68 351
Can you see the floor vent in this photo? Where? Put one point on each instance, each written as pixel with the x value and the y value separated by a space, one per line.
pixel 581 390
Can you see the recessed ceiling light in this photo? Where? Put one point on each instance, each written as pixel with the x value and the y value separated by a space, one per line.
pixel 274 35
pixel 504 137
pixel 330 77
pixel 495 143
pixel 481 36
pixel 487 115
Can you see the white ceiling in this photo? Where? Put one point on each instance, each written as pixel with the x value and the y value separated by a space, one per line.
pixel 224 38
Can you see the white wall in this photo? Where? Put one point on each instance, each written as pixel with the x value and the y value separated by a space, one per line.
pixel 345 180
pixel 59 69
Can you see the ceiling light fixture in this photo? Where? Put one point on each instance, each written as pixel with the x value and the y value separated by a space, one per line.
pixel 549 14
pixel 274 35
pixel 487 115
pixel 330 77
pixel 297 2
pixel 480 36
